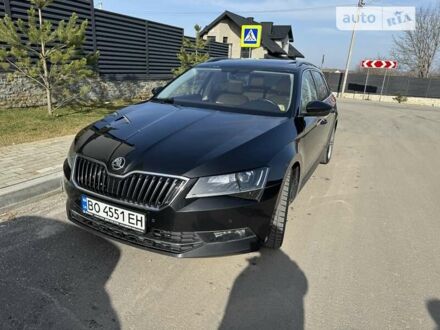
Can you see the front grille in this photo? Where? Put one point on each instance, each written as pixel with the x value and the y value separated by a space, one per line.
pixel 148 190
pixel 156 239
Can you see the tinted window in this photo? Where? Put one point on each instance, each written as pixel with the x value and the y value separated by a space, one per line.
pixel 308 91
pixel 321 86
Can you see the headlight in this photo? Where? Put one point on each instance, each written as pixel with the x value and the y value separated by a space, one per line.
pixel 71 155
pixel 247 184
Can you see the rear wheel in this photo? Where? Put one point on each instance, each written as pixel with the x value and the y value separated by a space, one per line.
pixel 327 156
pixel 288 191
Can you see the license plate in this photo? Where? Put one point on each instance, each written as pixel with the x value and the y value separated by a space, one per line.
pixel 113 214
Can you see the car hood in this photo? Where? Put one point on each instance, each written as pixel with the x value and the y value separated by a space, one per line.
pixel 191 142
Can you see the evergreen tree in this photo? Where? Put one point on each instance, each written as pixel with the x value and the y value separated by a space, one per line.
pixel 191 53
pixel 48 56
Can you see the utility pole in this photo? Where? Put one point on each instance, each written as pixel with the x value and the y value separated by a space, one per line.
pixel 322 61
pixel 361 3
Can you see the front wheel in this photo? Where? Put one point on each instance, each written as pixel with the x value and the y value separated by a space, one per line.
pixel 275 238
pixel 327 156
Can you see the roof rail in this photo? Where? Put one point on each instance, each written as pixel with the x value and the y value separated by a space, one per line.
pixel 307 63
pixel 215 59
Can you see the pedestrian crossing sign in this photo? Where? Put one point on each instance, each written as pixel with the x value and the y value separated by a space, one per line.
pixel 251 36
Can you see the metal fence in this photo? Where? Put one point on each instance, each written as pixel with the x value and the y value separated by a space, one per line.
pixel 59 10
pixel 122 44
pixel 394 85
pixel 215 49
pixel 164 42
pixel 130 48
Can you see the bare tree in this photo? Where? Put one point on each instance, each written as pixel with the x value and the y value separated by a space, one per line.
pixel 417 50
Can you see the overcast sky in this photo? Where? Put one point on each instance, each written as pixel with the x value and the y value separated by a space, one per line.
pixel 313 22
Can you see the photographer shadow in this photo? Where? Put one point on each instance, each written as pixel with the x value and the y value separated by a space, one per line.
pixel 433 307
pixel 268 294
pixel 53 276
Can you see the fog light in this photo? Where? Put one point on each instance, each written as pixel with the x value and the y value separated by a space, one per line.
pixel 226 235
pixel 240 233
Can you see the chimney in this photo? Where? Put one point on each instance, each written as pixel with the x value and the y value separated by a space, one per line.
pixel 267 26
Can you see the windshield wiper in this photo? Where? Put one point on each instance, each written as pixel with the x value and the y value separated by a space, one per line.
pixel 168 100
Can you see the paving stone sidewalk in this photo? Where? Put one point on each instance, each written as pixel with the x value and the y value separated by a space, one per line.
pixel 23 162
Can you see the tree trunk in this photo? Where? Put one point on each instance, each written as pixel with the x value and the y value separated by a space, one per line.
pixel 45 69
pixel 47 86
pixel 49 101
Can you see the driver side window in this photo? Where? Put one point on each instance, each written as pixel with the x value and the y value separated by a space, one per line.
pixel 308 91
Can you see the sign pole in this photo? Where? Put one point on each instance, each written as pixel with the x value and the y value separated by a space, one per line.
pixel 383 84
pixel 377 64
pixel 366 82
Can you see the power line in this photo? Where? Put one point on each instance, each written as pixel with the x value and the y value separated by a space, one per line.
pixel 244 11
pixel 373 2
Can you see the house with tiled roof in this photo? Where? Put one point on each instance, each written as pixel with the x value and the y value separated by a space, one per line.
pixel 276 40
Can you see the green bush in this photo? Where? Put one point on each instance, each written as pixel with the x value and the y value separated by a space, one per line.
pixel 400 98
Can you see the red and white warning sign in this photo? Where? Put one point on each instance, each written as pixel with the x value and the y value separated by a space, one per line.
pixel 379 64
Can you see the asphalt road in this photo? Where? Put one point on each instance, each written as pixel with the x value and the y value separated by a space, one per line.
pixel 361 251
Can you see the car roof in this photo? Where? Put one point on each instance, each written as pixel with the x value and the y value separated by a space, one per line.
pixel 256 64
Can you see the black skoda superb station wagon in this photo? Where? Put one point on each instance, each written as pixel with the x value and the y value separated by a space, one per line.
pixel 209 165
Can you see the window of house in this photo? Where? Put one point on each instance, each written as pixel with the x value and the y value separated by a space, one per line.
pixel 211 38
pixel 225 40
pixel 245 52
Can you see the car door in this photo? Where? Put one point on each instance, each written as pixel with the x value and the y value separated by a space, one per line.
pixel 309 139
pixel 325 123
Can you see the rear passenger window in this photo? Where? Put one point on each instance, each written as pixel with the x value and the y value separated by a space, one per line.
pixel 308 91
pixel 321 86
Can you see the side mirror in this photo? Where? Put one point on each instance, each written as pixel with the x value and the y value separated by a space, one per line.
pixel 157 90
pixel 318 109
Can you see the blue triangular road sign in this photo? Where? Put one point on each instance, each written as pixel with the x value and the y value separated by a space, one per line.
pixel 250 36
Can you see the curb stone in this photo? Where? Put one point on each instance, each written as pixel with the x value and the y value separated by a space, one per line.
pixel 14 195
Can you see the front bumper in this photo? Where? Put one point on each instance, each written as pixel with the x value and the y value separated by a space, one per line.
pixel 208 226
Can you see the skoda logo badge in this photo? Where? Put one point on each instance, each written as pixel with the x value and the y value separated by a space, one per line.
pixel 118 163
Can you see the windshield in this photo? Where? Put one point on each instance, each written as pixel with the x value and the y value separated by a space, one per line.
pixel 264 92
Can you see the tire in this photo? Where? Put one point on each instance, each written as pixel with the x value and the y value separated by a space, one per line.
pixel 288 191
pixel 327 156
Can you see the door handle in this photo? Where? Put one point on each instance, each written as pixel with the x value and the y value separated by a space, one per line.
pixel 322 121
